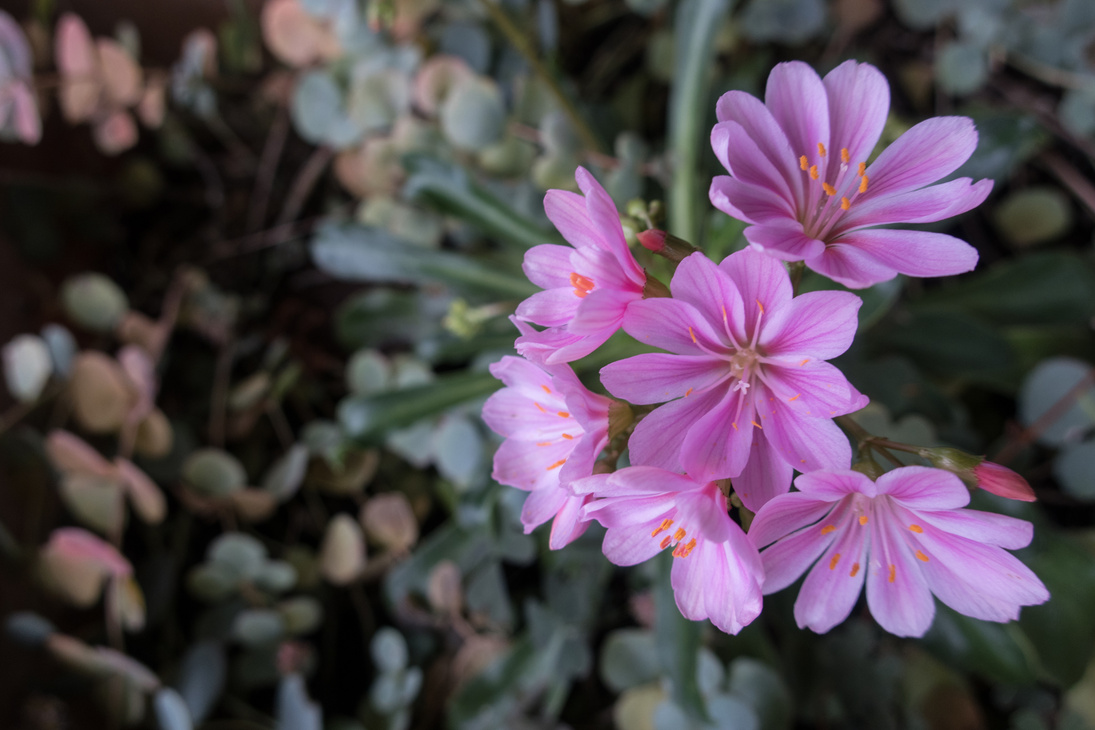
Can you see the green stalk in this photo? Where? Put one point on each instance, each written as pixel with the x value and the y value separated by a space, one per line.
pixel 697 22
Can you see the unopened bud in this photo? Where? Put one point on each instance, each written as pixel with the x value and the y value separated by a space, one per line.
pixel 950 459
pixel 869 468
pixel 666 244
pixel 1003 482
pixel 620 417
pixel 654 288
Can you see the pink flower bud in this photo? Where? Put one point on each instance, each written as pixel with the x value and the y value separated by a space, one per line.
pixel 1003 482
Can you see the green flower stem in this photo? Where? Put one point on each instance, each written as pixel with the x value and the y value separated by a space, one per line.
pixel 697 21
pixel 524 46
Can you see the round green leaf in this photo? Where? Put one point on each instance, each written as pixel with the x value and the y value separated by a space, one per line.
pixel 473 114
pixel 93 301
pixel 214 473
pixel 242 553
pixel 1033 215
pixel 629 658
pixel 961 68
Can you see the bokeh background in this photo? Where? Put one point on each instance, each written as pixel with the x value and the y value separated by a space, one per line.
pixel 255 258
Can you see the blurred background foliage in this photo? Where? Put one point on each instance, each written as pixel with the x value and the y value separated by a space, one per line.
pixel 256 257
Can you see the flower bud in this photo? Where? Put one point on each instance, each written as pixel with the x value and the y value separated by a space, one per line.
pixel 666 244
pixel 980 474
pixel 1003 482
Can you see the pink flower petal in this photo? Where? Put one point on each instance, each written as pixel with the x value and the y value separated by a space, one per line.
pixel 897 591
pixel 606 219
pixel 658 438
pixel 929 151
pixel 788 559
pixel 526 466
pixel 847 264
pixel 933 203
pixel 749 202
pixel 914 253
pixel 661 377
pixel 807 444
pixel 567 212
pixel 800 105
pixel 549 308
pixel 786 514
pixel 631 545
pixel 699 282
pixel 568 525
pixel 548 266
pixel 766 475
pixel 924 488
pixel 762 282
pixel 720 582
pixel 816 387
pixel 784 240
pixel 717 444
pixel 830 486
pixel 601 311
pixel 673 325
pixel 986 528
pixel 859 102
pixel 832 588
pixel 819 325
pixel 760 127
pixel 541 505
pixel 740 154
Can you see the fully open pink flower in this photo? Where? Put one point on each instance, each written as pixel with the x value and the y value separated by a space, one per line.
pixel 717 573
pixel 752 396
pixel 906 536
pixel 587 288
pixel 555 428
pixel 799 174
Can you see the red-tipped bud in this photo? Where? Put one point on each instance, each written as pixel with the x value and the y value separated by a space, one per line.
pixel 653 240
pixel 666 244
pixel 1003 482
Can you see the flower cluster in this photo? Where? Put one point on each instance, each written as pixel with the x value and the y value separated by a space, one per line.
pixel 742 394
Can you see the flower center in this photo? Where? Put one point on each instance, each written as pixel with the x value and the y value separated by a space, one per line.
pixel 830 190
pixel 682 549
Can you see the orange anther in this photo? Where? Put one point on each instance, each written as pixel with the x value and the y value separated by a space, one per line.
pixel 563 414
pixel 863 184
pixel 665 525
pixel 567 436
pixel 916 528
pixel 834 561
pixel 543 443
pixel 862 168
pixel 803 162
pixel 665 542
pixel 821 149
pixel 863 519
pixel 679 534
pixel 893 572
pixel 921 556
pixel 734 424
pixel 845 204
pixel 759 305
pixel 693 336
pixel 687 392
pixel 540 407
pixel 556 465
pixel 582 285
pixel 804 362
pixel 855 569
pixel 829 189
pixel 796 396
pixel 845 156
pixel 757 425
pixel 827 529
pixel 813 172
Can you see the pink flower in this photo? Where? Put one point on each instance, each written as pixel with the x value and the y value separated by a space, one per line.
pixel 587 288
pixel 751 394
pixel 717 573
pixel 555 429
pixel 799 175
pixel 907 536
pixel 1002 482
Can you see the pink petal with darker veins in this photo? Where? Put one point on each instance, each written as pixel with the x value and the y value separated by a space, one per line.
pixel 784 240
pixel 929 151
pixel 859 102
pixel 914 253
pixel 766 475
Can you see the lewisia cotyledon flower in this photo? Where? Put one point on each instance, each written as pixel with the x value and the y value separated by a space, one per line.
pixel 751 394
pixel 587 288
pixel 716 573
pixel 800 175
pixel 554 429
pixel 906 536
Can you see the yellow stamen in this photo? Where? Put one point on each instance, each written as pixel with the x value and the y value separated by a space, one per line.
pixel 582 285
pixel 921 556
pixel 845 156
pixel 803 162
pixel 845 204
pixel 556 465
pixel 827 529
pixel 863 519
pixel 821 149
pixel 834 561
pixel 679 534
pixel 862 168
pixel 863 184
pixel 813 172
pixel 855 569
pixel 916 528
pixel 829 189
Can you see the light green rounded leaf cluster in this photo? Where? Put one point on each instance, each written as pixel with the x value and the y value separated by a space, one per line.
pixel 214 473
pixel 473 114
pixel 1033 215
